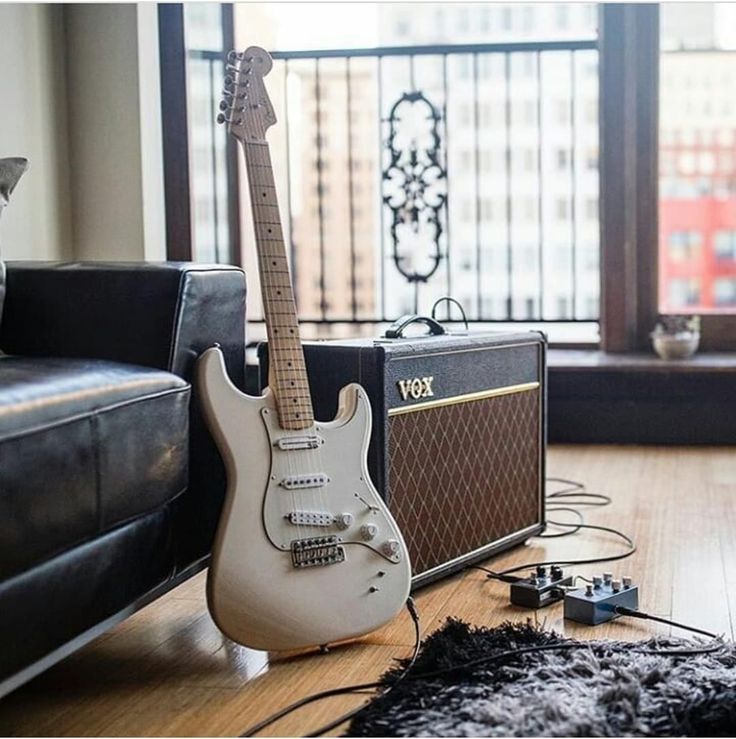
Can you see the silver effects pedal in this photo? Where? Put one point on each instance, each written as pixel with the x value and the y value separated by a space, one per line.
pixel 596 603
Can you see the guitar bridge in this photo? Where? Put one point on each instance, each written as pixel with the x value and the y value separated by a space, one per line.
pixel 316 552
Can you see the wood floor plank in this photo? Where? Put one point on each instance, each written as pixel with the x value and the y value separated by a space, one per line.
pixel 168 671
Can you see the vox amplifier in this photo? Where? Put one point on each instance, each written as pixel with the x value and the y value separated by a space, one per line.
pixel 458 440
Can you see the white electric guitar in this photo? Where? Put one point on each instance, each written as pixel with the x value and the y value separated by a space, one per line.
pixel 306 552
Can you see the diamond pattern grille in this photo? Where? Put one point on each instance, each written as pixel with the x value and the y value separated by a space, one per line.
pixel 463 476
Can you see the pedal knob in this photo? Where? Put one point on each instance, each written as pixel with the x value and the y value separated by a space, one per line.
pixel 626 581
pixel 615 585
pixel 368 531
pixel 533 577
pixel 541 571
pixel 556 572
pixel 597 581
pixel 391 547
pixel 344 520
pixel 607 577
pixel 589 591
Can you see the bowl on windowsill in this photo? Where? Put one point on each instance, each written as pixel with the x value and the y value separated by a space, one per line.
pixel 676 337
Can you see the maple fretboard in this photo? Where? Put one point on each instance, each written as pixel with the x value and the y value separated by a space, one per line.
pixel 287 372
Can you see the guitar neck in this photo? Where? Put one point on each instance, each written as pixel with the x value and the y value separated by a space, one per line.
pixel 287 372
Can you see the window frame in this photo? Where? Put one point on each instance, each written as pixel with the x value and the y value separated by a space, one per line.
pixel 629 184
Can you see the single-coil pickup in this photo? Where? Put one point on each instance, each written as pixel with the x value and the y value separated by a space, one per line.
pixel 299 482
pixel 295 443
pixel 311 518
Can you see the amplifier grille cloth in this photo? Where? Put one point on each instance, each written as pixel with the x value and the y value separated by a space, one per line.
pixel 462 476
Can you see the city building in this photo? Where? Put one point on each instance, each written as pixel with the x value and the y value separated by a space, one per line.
pixel 697 212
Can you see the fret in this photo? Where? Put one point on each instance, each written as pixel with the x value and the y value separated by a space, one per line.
pixel 290 384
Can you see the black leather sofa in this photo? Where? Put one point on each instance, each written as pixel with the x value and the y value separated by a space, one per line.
pixel 110 486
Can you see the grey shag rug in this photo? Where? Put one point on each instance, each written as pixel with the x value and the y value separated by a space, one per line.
pixel 603 688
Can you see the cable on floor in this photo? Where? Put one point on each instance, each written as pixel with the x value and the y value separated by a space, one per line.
pixel 357 688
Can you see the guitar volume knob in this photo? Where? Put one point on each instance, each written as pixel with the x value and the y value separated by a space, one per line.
pixel 391 547
pixel 344 520
pixel 368 531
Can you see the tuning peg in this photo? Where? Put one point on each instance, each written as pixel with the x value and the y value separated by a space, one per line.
pixel 233 56
pixel 224 105
pixel 222 118
pixel 232 68
pixel 229 81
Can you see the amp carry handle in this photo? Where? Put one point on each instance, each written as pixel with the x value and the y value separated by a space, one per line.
pixel 396 329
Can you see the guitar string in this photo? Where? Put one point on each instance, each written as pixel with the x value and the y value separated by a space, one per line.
pixel 267 287
pixel 287 346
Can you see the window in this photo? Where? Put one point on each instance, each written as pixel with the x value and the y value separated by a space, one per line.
pixel 724 291
pixel 697 232
pixel 684 245
pixel 724 246
pixel 684 292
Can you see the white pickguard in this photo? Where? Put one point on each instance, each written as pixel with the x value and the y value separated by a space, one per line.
pixel 256 594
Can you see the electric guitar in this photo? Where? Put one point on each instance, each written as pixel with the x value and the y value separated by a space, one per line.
pixel 306 552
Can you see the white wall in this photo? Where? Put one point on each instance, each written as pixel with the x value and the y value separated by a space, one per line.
pixel 80 98
pixel 37 224
pixel 115 131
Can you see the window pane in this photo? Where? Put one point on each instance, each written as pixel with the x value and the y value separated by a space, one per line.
pixel 697 158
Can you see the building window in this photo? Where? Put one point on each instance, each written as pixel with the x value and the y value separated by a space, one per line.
pixel 724 246
pixel 685 245
pixel 724 291
pixel 684 292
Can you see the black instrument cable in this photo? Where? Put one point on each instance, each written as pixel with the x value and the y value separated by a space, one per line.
pixel 575 494
pixel 359 688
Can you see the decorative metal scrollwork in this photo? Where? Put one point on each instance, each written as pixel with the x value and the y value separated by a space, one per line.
pixel 415 186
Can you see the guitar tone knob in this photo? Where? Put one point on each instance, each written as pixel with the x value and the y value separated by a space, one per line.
pixel 344 520
pixel 391 547
pixel 368 531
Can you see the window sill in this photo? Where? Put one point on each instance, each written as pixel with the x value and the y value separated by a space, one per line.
pixel 595 397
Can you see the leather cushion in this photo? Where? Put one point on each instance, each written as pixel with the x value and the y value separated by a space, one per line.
pixel 84 446
pixel 52 603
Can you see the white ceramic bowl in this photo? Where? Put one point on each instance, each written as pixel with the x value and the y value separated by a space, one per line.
pixel 676 346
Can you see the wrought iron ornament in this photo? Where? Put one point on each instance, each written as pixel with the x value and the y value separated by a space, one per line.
pixel 415 186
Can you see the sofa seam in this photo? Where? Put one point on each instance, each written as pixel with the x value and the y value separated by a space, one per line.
pixel 95 432
pixel 175 328
pixel 88 539
pixel 95 412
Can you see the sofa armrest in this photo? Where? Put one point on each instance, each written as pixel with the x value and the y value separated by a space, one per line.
pixel 155 315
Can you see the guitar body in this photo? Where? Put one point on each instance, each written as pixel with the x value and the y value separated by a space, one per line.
pixel 306 552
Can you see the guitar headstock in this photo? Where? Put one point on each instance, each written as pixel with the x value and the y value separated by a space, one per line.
pixel 245 106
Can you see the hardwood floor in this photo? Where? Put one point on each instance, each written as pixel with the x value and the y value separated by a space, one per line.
pixel 168 671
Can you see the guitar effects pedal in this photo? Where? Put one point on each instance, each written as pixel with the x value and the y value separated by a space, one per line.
pixel 540 589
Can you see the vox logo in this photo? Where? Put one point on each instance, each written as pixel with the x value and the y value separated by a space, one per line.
pixel 416 387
